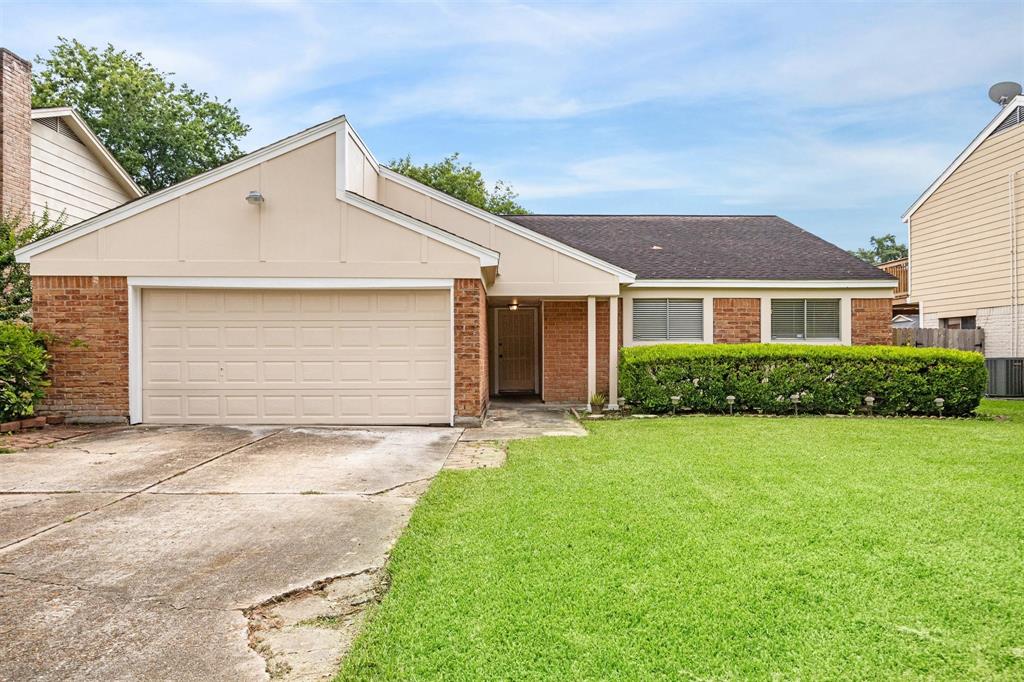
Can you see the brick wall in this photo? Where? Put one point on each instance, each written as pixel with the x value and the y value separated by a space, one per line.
pixel 471 373
pixel 737 320
pixel 871 321
pixel 15 132
pixel 88 317
pixel 565 350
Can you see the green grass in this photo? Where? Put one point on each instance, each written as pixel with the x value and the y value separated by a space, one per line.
pixel 721 548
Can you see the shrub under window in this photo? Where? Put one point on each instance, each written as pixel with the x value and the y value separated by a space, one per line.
pixel 829 379
pixel 805 318
pixel 668 319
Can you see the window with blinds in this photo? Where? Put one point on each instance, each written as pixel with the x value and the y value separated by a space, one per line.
pixel 668 319
pixel 805 318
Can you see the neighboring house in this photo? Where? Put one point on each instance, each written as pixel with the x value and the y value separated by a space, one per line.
pixel 49 158
pixel 899 269
pixel 307 283
pixel 906 321
pixel 965 238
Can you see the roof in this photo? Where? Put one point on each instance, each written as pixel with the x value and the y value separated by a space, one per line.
pixel 756 247
pixel 1008 109
pixel 93 144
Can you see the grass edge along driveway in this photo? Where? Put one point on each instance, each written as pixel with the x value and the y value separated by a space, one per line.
pixel 718 547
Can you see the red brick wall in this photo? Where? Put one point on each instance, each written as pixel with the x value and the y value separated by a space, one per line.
pixel 471 373
pixel 737 320
pixel 88 318
pixel 15 132
pixel 872 321
pixel 565 350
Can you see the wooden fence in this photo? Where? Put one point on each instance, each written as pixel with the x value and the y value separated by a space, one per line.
pixel 961 339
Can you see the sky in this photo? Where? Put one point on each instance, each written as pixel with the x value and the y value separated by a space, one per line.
pixel 835 116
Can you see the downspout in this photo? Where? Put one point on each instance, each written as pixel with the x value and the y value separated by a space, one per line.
pixel 1014 267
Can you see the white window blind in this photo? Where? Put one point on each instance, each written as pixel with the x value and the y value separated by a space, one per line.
pixel 668 319
pixel 811 318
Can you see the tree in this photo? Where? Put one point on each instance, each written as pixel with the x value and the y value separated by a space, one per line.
pixel 161 132
pixel 882 249
pixel 15 284
pixel 462 181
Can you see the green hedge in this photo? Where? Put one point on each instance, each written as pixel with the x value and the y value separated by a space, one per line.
pixel 829 379
pixel 23 359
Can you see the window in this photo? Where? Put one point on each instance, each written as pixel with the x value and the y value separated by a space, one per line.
pixel 668 319
pixel 960 322
pixel 805 318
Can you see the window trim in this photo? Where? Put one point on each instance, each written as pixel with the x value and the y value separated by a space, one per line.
pixel 840 311
pixel 707 312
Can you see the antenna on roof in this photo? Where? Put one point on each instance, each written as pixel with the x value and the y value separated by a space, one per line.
pixel 1002 93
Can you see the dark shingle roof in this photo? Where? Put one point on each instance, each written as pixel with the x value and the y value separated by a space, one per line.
pixel 703 247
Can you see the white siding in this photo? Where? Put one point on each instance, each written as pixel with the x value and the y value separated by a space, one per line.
pixel 67 178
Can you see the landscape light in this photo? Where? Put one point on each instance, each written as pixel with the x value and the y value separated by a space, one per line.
pixel 730 399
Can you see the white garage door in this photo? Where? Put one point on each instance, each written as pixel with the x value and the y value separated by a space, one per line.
pixel 296 357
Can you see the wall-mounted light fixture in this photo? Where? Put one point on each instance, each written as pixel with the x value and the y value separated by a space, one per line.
pixel 514 305
pixel 254 197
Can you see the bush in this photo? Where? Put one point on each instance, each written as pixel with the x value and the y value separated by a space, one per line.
pixel 829 379
pixel 23 359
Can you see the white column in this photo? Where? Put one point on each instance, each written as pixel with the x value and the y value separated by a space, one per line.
pixel 613 353
pixel 591 348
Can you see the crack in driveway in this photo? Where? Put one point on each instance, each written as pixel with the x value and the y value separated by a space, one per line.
pixel 207 542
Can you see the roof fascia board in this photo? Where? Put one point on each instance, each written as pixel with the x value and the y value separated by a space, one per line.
pixel 149 201
pixel 625 276
pixel 958 161
pixel 487 256
pixel 763 284
pixel 93 143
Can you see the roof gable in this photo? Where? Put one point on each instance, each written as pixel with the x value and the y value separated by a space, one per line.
pixel 995 125
pixel 85 135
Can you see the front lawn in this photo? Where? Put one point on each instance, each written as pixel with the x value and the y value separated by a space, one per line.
pixel 718 547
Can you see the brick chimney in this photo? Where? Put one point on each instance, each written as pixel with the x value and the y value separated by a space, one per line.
pixel 15 132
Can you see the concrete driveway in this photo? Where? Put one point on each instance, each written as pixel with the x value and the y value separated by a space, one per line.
pixel 140 553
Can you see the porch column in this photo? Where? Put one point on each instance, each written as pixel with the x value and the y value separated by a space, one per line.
pixel 613 353
pixel 591 348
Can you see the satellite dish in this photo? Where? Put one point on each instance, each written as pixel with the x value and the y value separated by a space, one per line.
pixel 1002 93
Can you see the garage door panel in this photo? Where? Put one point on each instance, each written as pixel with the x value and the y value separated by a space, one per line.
pixel 294 357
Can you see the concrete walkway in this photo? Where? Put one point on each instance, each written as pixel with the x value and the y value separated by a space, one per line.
pixel 146 553
pixel 511 420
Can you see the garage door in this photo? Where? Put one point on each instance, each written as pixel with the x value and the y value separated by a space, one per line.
pixel 296 357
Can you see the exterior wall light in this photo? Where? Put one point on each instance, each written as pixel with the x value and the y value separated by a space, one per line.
pixel 254 197
pixel 514 305
pixel 731 400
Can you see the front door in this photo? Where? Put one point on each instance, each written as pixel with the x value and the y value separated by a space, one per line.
pixel 516 337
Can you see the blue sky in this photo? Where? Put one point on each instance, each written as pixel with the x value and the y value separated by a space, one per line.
pixel 835 116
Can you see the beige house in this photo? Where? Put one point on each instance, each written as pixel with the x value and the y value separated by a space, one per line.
pixel 307 283
pixel 965 238
pixel 50 160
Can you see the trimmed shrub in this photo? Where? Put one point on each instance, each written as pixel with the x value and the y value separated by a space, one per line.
pixel 23 359
pixel 829 379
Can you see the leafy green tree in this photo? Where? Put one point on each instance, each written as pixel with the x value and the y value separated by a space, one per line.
pixel 462 181
pixel 882 249
pixel 17 231
pixel 161 132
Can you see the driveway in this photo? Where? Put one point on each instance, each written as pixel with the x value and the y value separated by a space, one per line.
pixel 140 553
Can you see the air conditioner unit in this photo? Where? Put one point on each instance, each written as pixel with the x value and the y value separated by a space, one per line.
pixel 1005 377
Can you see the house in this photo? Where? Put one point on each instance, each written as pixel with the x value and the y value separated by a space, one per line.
pixel 50 160
pixel 308 283
pixel 899 269
pixel 965 238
